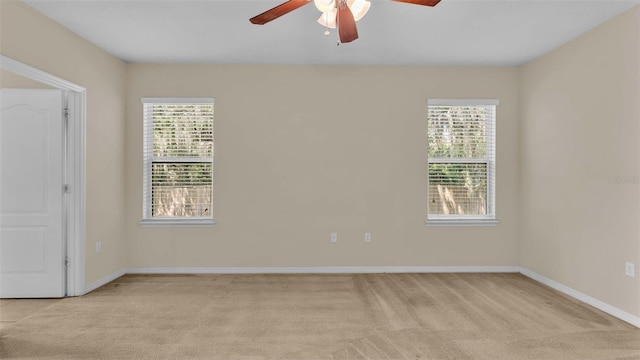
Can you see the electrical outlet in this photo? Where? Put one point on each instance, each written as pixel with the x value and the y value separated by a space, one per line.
pixel 98 247
pixel 334 237
pixel 630 269
pixel 367 237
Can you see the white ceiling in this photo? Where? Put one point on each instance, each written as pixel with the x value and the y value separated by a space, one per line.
pixel 455 32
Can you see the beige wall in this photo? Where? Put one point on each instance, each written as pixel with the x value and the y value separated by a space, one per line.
pixel 35 40
pixel 581 162
pixel 303 151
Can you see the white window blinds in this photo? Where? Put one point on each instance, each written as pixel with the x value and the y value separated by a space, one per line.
pixel 178 158
pixel 461 159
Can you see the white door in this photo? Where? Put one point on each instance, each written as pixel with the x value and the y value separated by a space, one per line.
pixel 32 250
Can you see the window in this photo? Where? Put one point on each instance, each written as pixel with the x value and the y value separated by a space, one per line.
pixel 461 162
pixel 178 161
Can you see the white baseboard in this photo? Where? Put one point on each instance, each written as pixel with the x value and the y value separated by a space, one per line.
pixel 326 270
pixel 105 280
pixel 611 310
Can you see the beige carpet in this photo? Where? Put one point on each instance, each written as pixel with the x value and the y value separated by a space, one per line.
pixel 382 316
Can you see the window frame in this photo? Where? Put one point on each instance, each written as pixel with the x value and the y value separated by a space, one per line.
pixel 148 160
pixel 490 159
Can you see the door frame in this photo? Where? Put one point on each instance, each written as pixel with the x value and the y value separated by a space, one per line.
pixel 75 209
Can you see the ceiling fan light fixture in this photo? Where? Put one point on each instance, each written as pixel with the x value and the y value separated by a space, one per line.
pixel 328 19
pixel 325 5
pixel 359 8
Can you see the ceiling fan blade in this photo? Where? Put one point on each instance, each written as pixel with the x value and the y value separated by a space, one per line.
pixel 420 2
pixel 346 23
pixel 278 11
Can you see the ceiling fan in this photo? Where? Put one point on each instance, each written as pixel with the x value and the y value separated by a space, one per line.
pixel 342 14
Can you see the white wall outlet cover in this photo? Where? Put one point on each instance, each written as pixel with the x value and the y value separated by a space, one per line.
pixel 334 237
pixel 630 269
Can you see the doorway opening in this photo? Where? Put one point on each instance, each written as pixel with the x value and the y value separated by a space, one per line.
pixel 74 170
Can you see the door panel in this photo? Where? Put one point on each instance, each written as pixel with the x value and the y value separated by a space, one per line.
pixel 25 132
pixel 31 194
pixel 23 250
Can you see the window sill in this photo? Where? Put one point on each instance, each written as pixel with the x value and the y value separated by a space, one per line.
pixel 462 222
pixel 177 223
